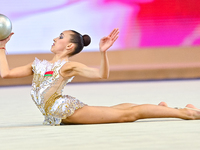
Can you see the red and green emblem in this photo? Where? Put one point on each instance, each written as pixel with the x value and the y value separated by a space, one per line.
pixel 48 73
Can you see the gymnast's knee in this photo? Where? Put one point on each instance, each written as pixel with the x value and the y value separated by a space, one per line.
pixel 128 118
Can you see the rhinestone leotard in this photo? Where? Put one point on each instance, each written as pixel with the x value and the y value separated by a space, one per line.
pixel 46 92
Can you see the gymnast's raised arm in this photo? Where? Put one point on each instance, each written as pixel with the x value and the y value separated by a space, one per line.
pixel 75 68
pixel 18 72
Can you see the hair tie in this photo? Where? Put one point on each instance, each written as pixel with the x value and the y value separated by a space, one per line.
pixel 82 40
pixel 4 49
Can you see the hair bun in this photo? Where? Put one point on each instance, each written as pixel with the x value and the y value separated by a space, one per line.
pixel 86 40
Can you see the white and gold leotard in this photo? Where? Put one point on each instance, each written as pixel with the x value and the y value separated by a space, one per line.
pixel 46 92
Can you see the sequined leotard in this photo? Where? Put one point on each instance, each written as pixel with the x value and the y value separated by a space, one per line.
pixel 46 92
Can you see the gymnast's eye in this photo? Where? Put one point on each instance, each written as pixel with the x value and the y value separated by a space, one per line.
pixel 60 37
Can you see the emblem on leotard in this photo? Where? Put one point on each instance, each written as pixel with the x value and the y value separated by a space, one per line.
pixel 48 73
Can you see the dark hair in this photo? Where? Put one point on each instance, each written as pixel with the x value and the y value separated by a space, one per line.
pixel 80 41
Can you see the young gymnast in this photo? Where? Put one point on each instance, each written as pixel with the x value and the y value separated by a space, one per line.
pixel 50 77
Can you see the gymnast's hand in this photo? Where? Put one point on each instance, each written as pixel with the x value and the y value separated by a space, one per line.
pixel 3 42
pixel 107 42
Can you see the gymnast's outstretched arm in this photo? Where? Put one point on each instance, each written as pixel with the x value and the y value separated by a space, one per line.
pixel 75 68
pixel 18 72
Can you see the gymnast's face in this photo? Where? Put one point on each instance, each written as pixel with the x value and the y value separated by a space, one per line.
pixel 62 43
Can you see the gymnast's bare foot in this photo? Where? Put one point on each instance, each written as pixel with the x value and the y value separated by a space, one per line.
pixel 191 106
pixel 193 111
pixel 163 104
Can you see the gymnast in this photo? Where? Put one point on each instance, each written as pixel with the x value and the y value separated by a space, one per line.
pixel 50 77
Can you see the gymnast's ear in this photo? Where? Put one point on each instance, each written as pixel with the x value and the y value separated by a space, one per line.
pixel 70 46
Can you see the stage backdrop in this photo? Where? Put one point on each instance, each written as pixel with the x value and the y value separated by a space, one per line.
pixel 142 23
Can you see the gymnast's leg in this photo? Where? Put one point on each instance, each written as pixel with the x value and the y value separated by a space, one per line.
pixel 130 105
pixel 97 114
pixel 124 106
